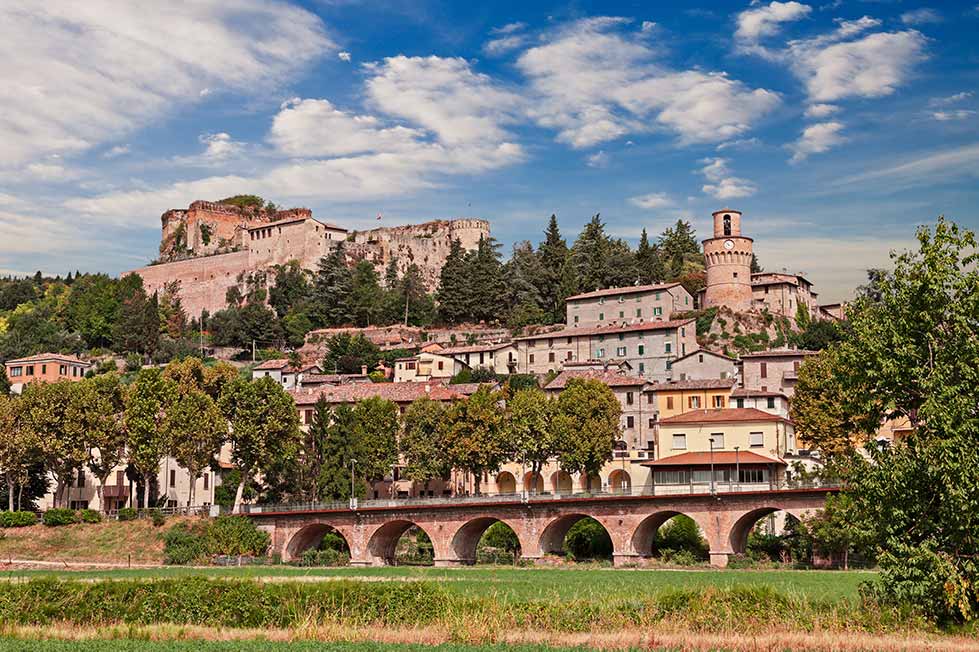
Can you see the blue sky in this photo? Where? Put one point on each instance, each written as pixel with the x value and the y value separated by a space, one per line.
pixel 837 127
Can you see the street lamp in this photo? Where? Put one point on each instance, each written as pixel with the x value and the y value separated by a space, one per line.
pixel 353 498
pixel 712 489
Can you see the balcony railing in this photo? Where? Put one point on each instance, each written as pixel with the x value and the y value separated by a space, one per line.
pixel 696 489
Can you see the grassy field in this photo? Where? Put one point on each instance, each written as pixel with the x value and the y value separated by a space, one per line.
pixel 262 646
pixel 527 583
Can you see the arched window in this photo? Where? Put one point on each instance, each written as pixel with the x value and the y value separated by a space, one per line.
pixel 727 225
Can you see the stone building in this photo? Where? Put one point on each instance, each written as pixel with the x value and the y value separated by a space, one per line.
pixel 783 293
pixel 648 347
pixel 209 248
pixel 498 357
pixel 727 257
pixel 627 305
pixel 776 370
pixel 703 364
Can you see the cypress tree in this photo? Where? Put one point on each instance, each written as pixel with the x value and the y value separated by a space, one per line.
pixel 338 450
pixel 331 290
pixel 648 261
pixel 453 294
pixel 590 256
pixel 487 286
pixel 553 254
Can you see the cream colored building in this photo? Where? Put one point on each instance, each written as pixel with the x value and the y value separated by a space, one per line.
pixel 424 367
pixel 773 371
pixel 498 357
pixel 703 364
pixel 627 305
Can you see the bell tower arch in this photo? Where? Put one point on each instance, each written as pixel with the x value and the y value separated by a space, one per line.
pixel 727 257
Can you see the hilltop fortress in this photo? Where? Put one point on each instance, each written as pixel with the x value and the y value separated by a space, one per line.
pixel 210 247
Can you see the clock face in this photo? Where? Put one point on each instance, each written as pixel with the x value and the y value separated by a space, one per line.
pixel 729 244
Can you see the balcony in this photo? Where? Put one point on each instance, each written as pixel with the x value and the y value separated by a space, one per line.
pixel 115 491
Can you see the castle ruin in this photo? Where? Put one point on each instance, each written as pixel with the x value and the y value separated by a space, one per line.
pixel 210 247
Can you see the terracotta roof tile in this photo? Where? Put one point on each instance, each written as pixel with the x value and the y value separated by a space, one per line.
pixel 630 289
pixel 697 458
pixel 475 348
pixel 779 353
pixel 693 383
pixel 610 378
pixel 743 392
pixel 722 415
pixel 706 352
pixel 397 392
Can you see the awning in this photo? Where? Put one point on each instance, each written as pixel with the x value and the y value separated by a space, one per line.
pixel 718 457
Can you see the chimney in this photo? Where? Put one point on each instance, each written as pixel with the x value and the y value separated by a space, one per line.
pixel 363 370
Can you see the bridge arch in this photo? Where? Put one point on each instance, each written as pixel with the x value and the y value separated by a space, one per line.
pixel 466 538
pixel 382 543
pixel 738 536
pixel 552 538
pixel 310 536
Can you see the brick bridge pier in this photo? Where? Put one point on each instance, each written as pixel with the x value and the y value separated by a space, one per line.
pixel 455 527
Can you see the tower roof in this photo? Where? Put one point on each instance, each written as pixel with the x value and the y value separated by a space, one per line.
pixel 727 210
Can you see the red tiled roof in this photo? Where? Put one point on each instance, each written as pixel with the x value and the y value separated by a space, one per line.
pixel 610 330
pixel 722 415
pixel 706 352
pixel 630 289
pixel 278 363
pixel 44 357
pixel 312 379
pixel 475 348
pixel 743 392
pixel 397 392
pixel 719 457
pixel 779 353
pixel 610 378
pixel 693 383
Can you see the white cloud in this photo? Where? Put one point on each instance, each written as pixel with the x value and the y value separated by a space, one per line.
pixel 314 128
pixel 443 95
pixel 509 28
pixel 948 100
pixel 343 56
pixel 598 160
pixel 653 200
pixel 957 114
pixel 921 17
pixel 204 92
pixel 945 164
pixel 116 151
pixel 821 110
pixel 724 186
pixel 758 23
pixel 594 83
pixel 648 26
pixel 816 139
pixel 79 73
pixel 833 68
pixel 505 44
pixel 741 143
pixel 220 146
pixel 49 171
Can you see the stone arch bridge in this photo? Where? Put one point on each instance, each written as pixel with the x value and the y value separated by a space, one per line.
pixel 455 525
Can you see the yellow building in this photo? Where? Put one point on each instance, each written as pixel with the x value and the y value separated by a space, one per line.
pixel 679 396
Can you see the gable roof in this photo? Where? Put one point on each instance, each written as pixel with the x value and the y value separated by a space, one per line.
pixel 726 358
pixel 610 378
pixel 44 357
pixel 693 383
pixel 629 289
pixel 723 415
pixel 609 330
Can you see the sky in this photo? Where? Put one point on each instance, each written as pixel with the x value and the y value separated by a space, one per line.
pixel 837 127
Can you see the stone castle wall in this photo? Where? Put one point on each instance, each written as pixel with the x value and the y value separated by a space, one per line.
pixel 242 241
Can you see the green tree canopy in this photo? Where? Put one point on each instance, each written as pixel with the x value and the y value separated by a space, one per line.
pixel 422 451
pixel 474 433
pixel 586 426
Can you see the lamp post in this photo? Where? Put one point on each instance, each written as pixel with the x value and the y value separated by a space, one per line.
pixel 353 498
pixel 737 465
pixel 712 488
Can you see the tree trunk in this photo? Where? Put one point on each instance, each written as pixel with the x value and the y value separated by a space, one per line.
pixel 238 493
pixel 20 495
pixel 59 490
pixel 477 478
pixel 10 493
pixel 846 558
pixel 190 494
pixel 100 490
pixel 146 491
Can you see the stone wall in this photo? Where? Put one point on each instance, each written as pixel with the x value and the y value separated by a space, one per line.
pixel 204 280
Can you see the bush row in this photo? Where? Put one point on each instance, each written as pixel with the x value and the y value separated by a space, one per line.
pixel 62 516
pixel 187 543
pixel 17 519
pixel 251 604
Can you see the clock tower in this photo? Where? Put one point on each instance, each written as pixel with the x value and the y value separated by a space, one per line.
pixel 727 257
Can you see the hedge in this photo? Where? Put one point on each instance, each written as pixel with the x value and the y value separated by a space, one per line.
pixel 220 603
pixel 17 519
pixel 59 516
pixel 90 516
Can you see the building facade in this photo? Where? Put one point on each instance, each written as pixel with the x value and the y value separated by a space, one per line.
pixel 776 370
pixel 44 368
pixel 703 364
pixel 727 257
pixel 627 305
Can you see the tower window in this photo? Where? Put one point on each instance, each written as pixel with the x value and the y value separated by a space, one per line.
pixel 727 225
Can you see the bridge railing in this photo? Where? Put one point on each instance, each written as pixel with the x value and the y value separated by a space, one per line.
pixel 695 489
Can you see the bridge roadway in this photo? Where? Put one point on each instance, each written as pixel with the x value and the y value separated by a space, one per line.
pixel 455 524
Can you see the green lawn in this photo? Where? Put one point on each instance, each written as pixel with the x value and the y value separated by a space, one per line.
pixel 531 583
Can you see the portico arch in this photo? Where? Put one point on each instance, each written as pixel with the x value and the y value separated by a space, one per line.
pixel 533 483
pixel 506 483
pixel 561 482
pixel 619 481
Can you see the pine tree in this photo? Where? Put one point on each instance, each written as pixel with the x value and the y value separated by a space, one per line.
pixel 590 256
pixel 522 273
pixel 391 274
pixel 366 295
pixel 337 454
pixel 331 289
pixel 553 253
pixel 677 245
pixel 453 294
pixel 756 267
pixel 648 261
pixel 409 302
pixel 621 269
pixel 487 286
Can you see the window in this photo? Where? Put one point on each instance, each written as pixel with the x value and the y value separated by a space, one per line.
pixel 642 368
pixel 756 439
pixel 718 401
pixel 569 340
pixel 717 440
pixel 81 478
pixel 795 366
pixel 657 295
pixel 638 312
pixel 642 349
pixel 657 312
pixel 621 298
pixel 771 402
pixel 686 300
pixel 764 370
pixel 569 356
pixel 749 476
pixel 63 370
pixel 621 337
pixel 44 368
pixel 550 344
pixel 700 358
pixel 679 442
pixel 600 353
pixel 622 314
pixel 669 402
pixel 683 332
pixel 630 422
pixel 441 365
pixel 620 351
pixel 207 480
pixel 550 356
pixel 693 402
pixel 30 370
pixel 601 316
pixel 629 398
pixel 308 414
pixel 531 358
pixel 601 300
pixel 652 422
pixel 576 319
pixel 650 398
pixel 173 478
pixel 727 225
pixel 739 402
pixel 668 347
pixel 16 371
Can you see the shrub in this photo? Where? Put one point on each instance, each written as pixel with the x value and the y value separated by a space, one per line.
pixel 89 516
pixel 328 557
pixel 56 517
pixel 158 518
pixel 184 544
pixel 134 362
pixel 236 535
pixel 17 519
pixel 587 539
pixel 680 557
pixel 127 514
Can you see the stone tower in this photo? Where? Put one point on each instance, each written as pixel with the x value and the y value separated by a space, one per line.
pixel 728 259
